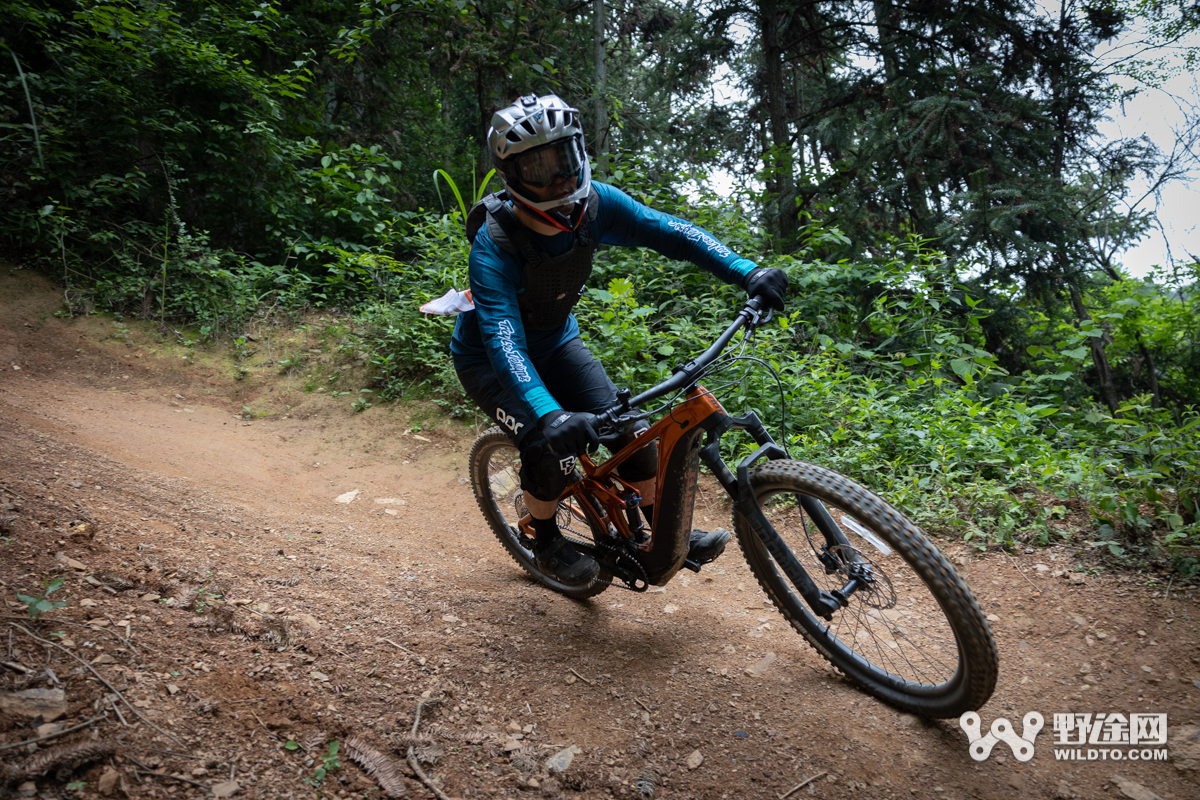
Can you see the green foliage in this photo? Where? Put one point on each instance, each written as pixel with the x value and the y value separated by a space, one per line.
pixel 887 377
pixel 951 236
pixel 410 350
pixel 476 193
pixel 174 161
pixel 40 604
pixel 329 762
pixel 1170 30
pixel 1154 323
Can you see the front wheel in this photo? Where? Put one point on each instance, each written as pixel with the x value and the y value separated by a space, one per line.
pixel 495 478
pixel 913 635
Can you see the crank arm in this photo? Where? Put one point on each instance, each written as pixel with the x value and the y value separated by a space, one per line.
pixel 633 581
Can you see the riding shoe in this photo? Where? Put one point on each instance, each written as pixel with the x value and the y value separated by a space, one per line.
pixel 564 563
pixel 705 546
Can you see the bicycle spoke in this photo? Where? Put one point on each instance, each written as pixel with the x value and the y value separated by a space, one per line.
pixel 505 482
pixel 496 481
pixel 896 622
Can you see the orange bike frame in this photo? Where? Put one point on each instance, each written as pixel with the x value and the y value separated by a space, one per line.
pixel 601 482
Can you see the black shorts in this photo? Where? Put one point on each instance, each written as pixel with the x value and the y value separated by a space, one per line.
pixel 579 383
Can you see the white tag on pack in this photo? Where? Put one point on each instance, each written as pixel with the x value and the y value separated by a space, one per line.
pixel 452 302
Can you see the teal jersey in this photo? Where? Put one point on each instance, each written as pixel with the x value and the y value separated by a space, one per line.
pixel 493 334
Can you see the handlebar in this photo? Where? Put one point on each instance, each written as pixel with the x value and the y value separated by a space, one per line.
pixel 752 315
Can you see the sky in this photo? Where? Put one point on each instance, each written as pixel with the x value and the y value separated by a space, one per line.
pixel 1159 113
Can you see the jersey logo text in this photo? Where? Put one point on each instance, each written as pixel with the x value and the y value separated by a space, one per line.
pixel 508 421
pixel 515 362
pixel 696 235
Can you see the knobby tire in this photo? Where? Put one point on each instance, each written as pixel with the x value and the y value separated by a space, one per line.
pixel 494 463
pixel 919 641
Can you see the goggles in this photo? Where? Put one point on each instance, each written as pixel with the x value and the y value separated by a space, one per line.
pixel 544 165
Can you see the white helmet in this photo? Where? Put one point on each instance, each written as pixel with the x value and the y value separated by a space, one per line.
pixel 534 142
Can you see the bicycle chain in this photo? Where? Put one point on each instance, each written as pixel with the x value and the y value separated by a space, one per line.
pixel 619 554
pixel 573 536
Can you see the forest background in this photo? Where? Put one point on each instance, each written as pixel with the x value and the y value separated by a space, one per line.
pixel 961 334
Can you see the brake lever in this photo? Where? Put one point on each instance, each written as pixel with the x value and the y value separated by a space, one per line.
pixel 609 423
pixel 758 318
pixel 602 424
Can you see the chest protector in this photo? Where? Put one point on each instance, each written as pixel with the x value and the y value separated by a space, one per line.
pixel 553 285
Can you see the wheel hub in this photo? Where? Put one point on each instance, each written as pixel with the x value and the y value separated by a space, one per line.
pixel 863 577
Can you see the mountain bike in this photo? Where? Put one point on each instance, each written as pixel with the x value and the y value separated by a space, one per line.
pixel 854 576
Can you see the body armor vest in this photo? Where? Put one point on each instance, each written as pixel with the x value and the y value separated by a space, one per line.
pixel 553 285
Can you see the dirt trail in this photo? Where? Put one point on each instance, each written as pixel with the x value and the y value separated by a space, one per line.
pixel 264 611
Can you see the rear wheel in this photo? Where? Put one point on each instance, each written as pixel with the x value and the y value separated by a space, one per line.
pixel 914 636
pixel 495 478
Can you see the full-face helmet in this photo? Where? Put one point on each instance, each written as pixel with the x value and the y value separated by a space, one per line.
pixel 535 143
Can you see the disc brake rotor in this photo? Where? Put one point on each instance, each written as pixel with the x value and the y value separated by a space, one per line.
pixel 875 587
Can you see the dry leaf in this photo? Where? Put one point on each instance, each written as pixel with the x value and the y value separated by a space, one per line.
pixel 376 764
pixel 65 758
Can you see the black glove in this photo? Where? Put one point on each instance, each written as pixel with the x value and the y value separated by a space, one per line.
pixel 769 283
pixel 568 433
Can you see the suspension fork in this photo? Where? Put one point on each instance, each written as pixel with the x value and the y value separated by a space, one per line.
pixel 744 503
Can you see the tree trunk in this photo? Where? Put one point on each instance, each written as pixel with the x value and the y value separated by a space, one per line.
pixel 1150 368
pixel 600 112
pixel 485 122
pixel 887 19
pixel 1099 357
pixel 780 179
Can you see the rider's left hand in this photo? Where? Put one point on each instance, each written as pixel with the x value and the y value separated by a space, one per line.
pixel 568 433
pixel 769 283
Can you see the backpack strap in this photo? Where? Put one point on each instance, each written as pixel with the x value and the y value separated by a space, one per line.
pixel 591 208
pixel 477 218
pixel 516 234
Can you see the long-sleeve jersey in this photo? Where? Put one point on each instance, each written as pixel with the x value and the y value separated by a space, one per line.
pixel 493 333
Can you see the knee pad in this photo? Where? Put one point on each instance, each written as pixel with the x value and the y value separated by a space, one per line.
pixel 544 474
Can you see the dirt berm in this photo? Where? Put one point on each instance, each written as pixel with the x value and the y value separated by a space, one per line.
pixel 226 618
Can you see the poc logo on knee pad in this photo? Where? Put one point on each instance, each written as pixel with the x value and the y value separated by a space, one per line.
pixel 508 421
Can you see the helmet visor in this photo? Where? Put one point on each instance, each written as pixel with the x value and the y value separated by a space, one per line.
pixel 542 166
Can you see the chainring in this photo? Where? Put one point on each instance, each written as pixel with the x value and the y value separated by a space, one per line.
pixel 566 519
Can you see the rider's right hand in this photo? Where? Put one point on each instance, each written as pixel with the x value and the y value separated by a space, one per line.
pixel 769 283
pixel 568 433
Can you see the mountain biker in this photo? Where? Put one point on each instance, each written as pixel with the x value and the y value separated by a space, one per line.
pixel 518 353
